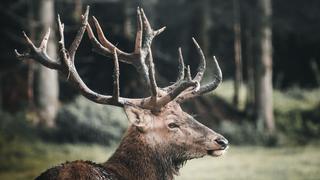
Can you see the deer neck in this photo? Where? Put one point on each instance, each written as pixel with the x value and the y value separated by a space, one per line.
pixel 136 159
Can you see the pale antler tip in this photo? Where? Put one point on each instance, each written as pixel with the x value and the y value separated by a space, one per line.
pixel 157 32
pixel 17 53
pixel 219 73
pixel 189 78
pixel 45 39
pixel 195 42
pixel 46 36
pixel 214 57
pixel 95 20
pixel 87 11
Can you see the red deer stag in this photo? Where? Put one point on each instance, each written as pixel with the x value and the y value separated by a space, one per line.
pixel 161 137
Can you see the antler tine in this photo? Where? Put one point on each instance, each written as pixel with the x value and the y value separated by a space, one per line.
pixel 39 53
pixel 202 64
pixel 138 42
pixel 149 32
pixel 184 84
pixel 104 41
pixel 152 79
pixel 180 73
pixel 76 42
pixel 107 48
pixel 44 41
pixel 215 82
pixel 181 65
pixel 116 72
pixel 205 88
pixel 62 49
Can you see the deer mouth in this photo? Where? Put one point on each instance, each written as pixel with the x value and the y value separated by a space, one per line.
pixel 217 152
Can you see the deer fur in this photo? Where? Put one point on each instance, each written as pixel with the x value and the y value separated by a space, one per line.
pixel 148 150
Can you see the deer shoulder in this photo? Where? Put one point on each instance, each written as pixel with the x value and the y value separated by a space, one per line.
pixel 81 170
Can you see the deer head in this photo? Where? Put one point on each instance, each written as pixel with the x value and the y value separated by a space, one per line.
pixel 158 119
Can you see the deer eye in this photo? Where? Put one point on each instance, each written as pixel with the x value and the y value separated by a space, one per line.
pixel 173 125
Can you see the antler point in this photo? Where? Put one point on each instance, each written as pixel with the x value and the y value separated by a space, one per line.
pixel 17 53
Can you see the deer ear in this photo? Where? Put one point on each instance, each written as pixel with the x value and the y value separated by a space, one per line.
pixel 138 117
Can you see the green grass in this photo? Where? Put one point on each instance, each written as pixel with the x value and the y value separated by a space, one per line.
pixel 257 163
pixel 238 163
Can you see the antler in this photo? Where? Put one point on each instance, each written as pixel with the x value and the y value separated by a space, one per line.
pixel 141 58
pixel 180 90
pixel 142 46
pixel 199 90
pixel 66 65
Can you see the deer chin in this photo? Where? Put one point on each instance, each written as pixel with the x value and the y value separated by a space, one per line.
pixel 216 153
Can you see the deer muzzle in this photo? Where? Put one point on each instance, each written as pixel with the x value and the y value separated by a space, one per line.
pixel 218 147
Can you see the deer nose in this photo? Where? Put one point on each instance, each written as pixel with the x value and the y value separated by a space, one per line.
pixel 223 142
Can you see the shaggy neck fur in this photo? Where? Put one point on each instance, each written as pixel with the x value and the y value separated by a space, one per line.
pixel 135 159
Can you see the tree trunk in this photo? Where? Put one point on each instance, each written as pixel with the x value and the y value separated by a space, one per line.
pixel 30 63
pixel 48 86
pixel 199 30
pixel 249 57
pixel 263 75
pixel 250 99
pixel 1 93
pixel 128 12
pixel 78 6
pixel 237 52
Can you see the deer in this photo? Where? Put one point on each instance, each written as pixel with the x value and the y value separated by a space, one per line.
pixel 161 137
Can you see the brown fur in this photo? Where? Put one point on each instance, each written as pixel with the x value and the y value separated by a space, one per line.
pixel 150 149
pixel 80 170
pixel 133 160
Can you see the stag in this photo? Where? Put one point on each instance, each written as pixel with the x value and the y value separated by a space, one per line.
pixel 161 137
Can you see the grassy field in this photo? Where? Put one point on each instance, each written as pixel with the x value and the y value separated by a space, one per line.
pixel 256 163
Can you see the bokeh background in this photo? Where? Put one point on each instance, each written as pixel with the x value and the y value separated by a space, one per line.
pixel 268 105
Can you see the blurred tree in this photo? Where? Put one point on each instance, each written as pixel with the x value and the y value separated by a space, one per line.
pixel 30 63
pixel 47 79
pixel 316 70
pixel 129 13
pixel 237 52
pixel 247 18
pixel 199 30
pixel 263 67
